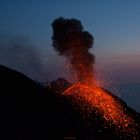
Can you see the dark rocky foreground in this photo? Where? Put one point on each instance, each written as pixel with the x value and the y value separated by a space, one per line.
pixel 31 111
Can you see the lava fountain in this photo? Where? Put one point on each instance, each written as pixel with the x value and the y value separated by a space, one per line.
pixel 70 40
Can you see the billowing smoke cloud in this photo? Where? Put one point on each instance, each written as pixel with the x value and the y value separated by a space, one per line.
pixel 70 40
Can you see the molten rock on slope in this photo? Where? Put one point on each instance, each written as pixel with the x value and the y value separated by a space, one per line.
pixel 88 100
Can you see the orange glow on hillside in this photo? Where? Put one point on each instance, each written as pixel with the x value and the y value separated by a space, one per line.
pixel 89 98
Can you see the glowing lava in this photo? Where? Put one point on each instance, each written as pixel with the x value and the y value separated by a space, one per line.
pixel 72 41
pixel 88 99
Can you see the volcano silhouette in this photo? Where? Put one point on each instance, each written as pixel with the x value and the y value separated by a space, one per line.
pixel 31 111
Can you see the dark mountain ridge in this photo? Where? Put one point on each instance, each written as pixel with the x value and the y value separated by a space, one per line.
pixel 31 111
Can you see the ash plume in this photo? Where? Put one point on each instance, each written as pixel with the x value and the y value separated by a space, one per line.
pixel 71 40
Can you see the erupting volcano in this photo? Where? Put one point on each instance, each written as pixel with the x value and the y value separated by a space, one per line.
pixel 61 110
pixel 70 40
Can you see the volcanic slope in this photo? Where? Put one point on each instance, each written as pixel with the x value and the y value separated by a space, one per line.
pixel 101 108
pixel 31 111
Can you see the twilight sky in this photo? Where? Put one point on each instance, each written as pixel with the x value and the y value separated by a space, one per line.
pixel 115 25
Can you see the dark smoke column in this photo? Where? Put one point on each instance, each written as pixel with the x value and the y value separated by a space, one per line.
pixel 70 40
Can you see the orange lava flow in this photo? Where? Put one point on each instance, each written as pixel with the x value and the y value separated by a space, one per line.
pixel 105 104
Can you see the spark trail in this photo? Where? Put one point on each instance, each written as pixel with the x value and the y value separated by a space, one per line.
pixel 88 99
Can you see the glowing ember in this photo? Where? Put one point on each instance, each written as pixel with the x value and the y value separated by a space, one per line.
pixel 89 98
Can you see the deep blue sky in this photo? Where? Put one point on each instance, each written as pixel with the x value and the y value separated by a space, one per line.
pixel 115 25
